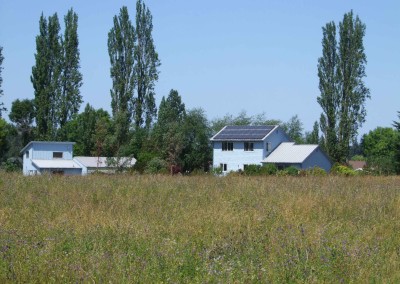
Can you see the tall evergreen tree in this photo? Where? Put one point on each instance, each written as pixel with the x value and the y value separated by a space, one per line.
pixel 71 78
pixel 2 108
pixel 46 77
pixel 341 70
pixel 121 48
pixel 146 68
pixel 313 136
pixel 22 114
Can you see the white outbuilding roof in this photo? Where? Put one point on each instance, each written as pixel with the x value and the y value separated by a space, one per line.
pixel 56 164
pixel 290 153
pixel 102 162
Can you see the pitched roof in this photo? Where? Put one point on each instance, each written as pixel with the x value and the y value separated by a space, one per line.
pixel 243 133
pixel 102 162
pixel 357 165
pixel 290 153
pixel 45 142
pixel 56 164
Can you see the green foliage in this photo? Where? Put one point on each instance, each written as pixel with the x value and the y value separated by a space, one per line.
pixel 252 170
pixel 396 124
pixel 146 68
pixel 291 171
pixel 12 165
pixel 268 169
pixel 55 76
pixel 294 129
pixel 156 166
pixel 2 108
pixel 197 150
pixel 341 70
pixel 358 158
pixel 379 146
pixel 3 137
pixel 142 160
pixel 89 130
pixel 313 136
pixel 22 114
pixel 121 49
pixel 342 170
pixel 315 171
pixel 71 78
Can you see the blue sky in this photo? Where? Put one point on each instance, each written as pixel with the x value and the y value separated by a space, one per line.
pixel 223 56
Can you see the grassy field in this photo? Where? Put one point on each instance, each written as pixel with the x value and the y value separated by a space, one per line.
pixel 199 229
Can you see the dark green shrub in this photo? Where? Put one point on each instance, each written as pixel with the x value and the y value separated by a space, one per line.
pixel 156 166
pixel 252 170
pixel 292 171
pixel 268 169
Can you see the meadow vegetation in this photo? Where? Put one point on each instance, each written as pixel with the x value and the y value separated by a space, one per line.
pixel 155 228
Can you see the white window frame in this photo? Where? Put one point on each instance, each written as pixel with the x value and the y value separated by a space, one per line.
pixel 227 146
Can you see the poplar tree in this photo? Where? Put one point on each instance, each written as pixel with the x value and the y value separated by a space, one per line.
pixel 121 48
pixel 46 77
pixel 71 78
pixel 146 68
pixel 341 70
pixel 2 108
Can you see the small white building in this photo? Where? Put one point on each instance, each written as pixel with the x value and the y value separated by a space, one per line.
pixel 49 157
pixel 103 164
pixel 57 158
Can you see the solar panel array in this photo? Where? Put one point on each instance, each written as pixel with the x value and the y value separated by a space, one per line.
pixel 250 133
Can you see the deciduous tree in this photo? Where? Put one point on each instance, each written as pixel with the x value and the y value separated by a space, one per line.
pixel 146 68
pixel 71 78
pixel 341 70
pixel 121 49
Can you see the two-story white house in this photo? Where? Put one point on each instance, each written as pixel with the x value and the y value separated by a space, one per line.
pixel 235 147
pixel 52 157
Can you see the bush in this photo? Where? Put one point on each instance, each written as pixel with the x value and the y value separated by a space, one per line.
pixel 156 166
pixel 315 171
pixel 252 170
pixel 268 169
pixel 292 171
pixel 341 170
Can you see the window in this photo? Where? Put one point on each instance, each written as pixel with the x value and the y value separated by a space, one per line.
pixel 227 146
pixel 223 167
pixel 268 146
pixel 27 154
pixel 57 155
pixel 248 146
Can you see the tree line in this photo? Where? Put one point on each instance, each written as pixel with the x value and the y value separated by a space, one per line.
pixel 171 135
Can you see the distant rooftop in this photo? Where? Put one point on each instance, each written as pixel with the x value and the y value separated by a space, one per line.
pixel 243 133
pixel 45 142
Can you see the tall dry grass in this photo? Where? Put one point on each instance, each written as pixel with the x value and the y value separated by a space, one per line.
pixel 199 229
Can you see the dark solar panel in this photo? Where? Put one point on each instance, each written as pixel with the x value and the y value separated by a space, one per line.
pixel 244 132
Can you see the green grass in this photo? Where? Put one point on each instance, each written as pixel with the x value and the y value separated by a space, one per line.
pixel 199 229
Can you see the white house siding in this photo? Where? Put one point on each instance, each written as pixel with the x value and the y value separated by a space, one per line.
pixel 237 158
pixel 317 159
pixel 43 151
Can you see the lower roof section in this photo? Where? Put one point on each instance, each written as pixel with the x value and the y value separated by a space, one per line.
pixel 56 164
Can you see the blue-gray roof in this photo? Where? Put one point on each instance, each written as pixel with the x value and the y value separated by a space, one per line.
pixel 243 133
pixel 45 142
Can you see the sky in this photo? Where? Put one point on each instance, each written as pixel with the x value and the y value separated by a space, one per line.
pixel 224 56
